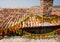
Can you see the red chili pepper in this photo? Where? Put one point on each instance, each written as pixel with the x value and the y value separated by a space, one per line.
pixel 58 31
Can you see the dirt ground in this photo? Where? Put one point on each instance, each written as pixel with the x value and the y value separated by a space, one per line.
pixel 22 39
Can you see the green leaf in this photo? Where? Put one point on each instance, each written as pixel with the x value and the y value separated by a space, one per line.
pixel 26 19
pixel 39 17
pixel 52 19
pixel 58 18
pixel 5 30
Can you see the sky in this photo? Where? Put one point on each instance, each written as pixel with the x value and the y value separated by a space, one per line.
pixel 22 3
